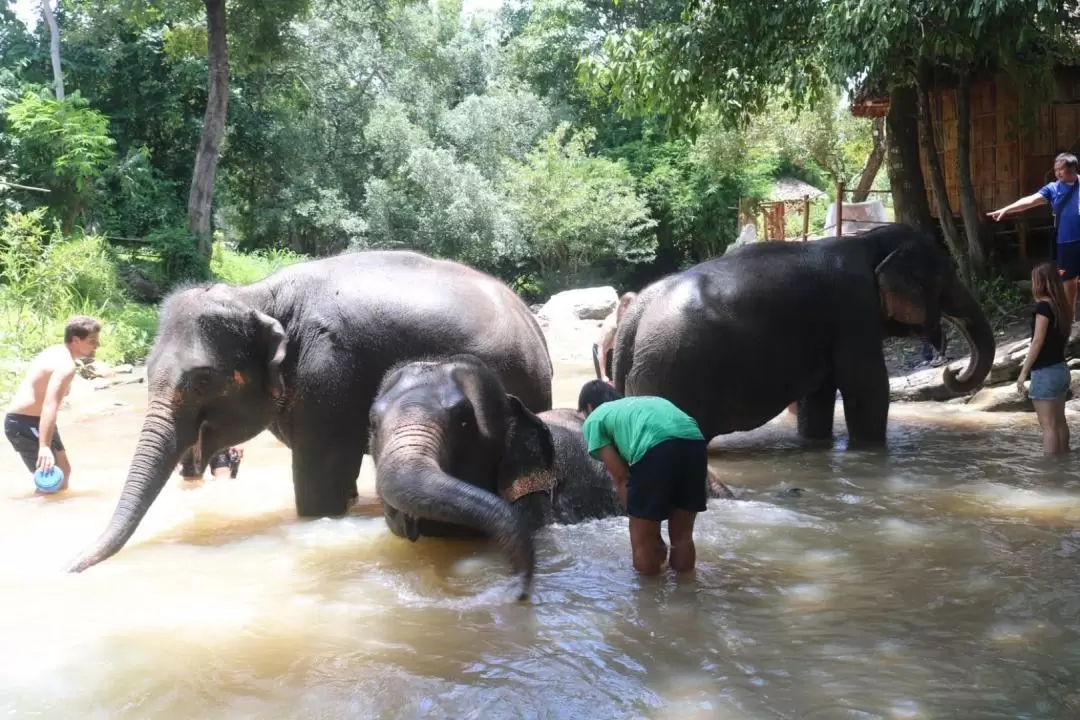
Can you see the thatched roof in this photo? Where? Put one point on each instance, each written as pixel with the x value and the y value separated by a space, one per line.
pixel 789 189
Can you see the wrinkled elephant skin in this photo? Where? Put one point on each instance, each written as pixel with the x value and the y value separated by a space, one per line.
pixel 302 353
pixel 456 455
pixel 735 340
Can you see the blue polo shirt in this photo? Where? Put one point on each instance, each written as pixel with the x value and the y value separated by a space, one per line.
pixel 1068 217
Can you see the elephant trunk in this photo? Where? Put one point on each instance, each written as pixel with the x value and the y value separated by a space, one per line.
pixel 155 456
pixel 410 479
pixel 961 307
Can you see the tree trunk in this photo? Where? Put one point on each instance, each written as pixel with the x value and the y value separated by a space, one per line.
pixel 937 183
pixel 969 208
pixel 904 166
pixel 201 195
pixel 872 164
pixel 54 47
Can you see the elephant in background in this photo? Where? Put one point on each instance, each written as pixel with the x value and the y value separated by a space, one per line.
pixel 302 353
pixel 458 455
pixel 736 339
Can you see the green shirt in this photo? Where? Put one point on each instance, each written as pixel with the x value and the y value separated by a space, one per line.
pixel 637 424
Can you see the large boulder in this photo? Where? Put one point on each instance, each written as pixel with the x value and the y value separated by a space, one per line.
pixel 584 304
pixel 1008 358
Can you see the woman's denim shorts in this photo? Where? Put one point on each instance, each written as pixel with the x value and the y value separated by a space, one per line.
pixel 1049 383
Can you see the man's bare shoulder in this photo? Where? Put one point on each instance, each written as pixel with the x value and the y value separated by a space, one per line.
pixel 55 359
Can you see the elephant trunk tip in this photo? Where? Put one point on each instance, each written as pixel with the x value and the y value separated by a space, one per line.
pixel 83 562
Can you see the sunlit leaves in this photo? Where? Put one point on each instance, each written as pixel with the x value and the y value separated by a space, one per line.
pixel 575 208
pixel 732 56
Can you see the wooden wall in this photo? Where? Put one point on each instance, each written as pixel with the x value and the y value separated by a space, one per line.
pixel 1005 164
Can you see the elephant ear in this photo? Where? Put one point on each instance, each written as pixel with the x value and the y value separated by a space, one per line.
pixel 274 336
pixel 904 283
pixel 528 460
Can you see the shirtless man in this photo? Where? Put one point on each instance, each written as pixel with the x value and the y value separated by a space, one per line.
pixel 30 422
pixel 604 351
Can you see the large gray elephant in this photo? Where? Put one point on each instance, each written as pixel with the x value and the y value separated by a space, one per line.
pixel 735 340
pixel 458 455
pixel 302 353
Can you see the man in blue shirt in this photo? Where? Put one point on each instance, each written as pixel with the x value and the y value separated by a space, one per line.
pixel 1063 196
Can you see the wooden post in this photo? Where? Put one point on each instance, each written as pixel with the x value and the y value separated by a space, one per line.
pixel 839 208
pixel 805 217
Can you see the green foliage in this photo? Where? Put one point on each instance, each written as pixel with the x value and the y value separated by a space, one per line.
pixel 502 124
pixel 732 57
pixel 725 57
pixel 47 278
pixel 827 135
pixel 180 257
pixel 576 209
pixel 442 207
pixel 230 266
pixel 62 145
pixel 1000 296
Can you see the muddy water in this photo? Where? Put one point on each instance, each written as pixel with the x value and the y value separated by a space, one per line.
pixel 939 580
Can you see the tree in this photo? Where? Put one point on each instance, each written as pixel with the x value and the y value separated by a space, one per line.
pixel 679 67
pixel 576 209
pixel 201 195
pixel 54 47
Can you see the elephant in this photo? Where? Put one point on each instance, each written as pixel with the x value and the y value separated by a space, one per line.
pixel 301 353
pixel 459 455
pixel 736 339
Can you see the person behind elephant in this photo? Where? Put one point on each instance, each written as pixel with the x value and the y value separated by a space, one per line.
pixel 603 352
pixel 224 464
pixel 659 461
pixel 1045 362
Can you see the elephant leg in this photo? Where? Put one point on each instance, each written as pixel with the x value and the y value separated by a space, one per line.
pixel 324 471
pixel 816 412
pixel 864 386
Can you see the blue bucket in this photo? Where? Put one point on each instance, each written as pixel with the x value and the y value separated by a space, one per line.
pixel 49 482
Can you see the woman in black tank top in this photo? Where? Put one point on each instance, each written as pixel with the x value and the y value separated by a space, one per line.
pixel 1051 323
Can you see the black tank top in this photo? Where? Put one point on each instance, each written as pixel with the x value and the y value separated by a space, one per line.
pixel 1053 349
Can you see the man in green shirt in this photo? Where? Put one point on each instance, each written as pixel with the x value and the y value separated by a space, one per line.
pixel 659 460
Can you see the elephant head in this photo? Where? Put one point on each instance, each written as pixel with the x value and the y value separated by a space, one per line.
pixel 447 439
pixel 215 379
pixel 918 286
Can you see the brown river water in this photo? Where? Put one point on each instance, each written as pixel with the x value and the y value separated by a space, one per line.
pixel 936 580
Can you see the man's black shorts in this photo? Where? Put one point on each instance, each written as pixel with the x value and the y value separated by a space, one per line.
pixel 670 476
pixel 23 433
pixel 1068 260
pixel 219 460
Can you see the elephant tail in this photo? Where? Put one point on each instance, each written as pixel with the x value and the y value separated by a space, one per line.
pixel 625 340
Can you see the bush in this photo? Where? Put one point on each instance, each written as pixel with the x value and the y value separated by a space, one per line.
pixel 179 252
pixel 47 279
pixel 230 266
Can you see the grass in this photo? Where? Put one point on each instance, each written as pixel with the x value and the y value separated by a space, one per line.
pixel 46 278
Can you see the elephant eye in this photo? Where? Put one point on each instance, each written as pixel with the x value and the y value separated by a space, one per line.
pixel 200 380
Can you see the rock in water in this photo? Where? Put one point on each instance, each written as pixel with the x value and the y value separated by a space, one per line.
pixel 927 384
pixel 584 304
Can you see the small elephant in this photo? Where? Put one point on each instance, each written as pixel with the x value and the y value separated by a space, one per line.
pixel 736 339
pixel 302 353
pixel 456 455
